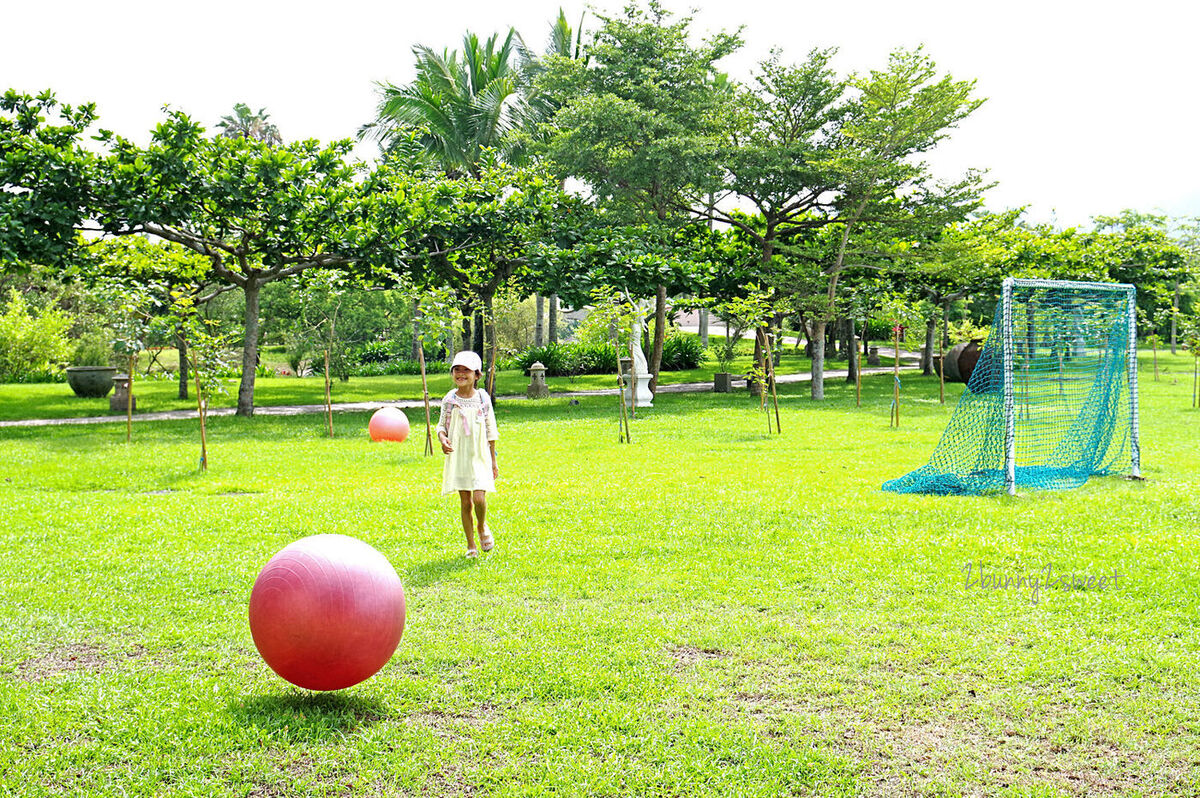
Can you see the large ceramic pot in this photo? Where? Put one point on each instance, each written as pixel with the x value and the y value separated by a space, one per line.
pixel 92 382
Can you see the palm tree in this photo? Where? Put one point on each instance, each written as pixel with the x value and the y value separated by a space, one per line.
pixel 459 104
pixel 246 124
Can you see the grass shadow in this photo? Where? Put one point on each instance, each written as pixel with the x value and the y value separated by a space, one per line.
pixel 314 716
pixel 430 572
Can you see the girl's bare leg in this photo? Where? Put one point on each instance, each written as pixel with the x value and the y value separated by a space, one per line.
pixel 480 500
pixel 464 501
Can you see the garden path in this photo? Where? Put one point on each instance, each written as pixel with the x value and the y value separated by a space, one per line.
pixel 908 360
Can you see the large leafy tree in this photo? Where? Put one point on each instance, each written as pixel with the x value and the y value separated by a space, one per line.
pixel 776 149
pixel 258 213
pixel 492 234
pixel 639 123
pixel 884 192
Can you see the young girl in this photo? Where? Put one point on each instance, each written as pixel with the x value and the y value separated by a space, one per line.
pixel 467 432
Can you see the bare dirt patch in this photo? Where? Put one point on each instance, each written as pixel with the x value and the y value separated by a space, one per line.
pixel 686 656
pixel 75 658
pixel 450 725
pixel 909 756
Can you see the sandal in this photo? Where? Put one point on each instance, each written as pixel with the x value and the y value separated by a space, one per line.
pixel 472 552
pixel 486 541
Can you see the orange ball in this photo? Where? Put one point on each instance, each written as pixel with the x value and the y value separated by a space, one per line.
pixel 388 424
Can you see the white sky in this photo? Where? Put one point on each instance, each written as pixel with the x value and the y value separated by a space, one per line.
pixel 1092 107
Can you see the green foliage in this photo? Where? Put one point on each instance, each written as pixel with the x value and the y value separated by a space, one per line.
pixel 458 106
pixel 40 154
pixel 571 359
pixel 31 345
pixel 747 311
pixel 966 330
pixel 396 366
pixel 681 352
pixel 94 348
pixel 639 118
pixel 372 352
pixel 901 312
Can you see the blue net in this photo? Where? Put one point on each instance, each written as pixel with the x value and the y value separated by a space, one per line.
pixel 1071 409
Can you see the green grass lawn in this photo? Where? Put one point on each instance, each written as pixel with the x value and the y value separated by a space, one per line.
pixel 711 610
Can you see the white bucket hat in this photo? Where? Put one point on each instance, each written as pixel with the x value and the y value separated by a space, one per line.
pixel 469 359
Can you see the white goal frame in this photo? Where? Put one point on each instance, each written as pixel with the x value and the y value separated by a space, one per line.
pixel 1010 442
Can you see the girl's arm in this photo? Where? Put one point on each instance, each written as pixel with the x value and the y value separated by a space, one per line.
pixel 495 464
pixel 443 426
pixel 489 423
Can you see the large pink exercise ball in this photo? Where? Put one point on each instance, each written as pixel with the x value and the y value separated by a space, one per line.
pixel 388 424
pixel 327 612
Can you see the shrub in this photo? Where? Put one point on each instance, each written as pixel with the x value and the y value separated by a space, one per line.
pixel 31 345
pixel 569 360
pixel 553 356
pixel 398 366
pixel 93 349
pixel 593 359
pixel 682 352
pixel 372 352
pixel 296 348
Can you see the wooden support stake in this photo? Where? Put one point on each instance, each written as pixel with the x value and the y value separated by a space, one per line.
pixel 857 376
pixel 201 410
pixel 634 329
pixel 425 394
pixel 774 393
pixel 896 376
pixel 328 397
pixel 623 421
pixel 942 362
pixel 129 400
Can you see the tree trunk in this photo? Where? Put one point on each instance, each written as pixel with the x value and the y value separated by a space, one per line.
pixel 927 353
pixel 490 358
pixel 552 320
pixel 489 342
pixel 704 327
pixel 660 334
pixel 466 330
pixel 477 334
pixel 245 404
pixel 539 303
pixel 181 347
pixel 817 340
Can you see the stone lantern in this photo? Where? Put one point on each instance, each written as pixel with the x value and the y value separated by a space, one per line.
pixel 119 401
pixel 537 382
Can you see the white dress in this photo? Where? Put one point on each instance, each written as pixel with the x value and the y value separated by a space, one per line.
pixel 469 424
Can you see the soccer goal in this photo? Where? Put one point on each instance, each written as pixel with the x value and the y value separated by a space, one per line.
pixel 1053 399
